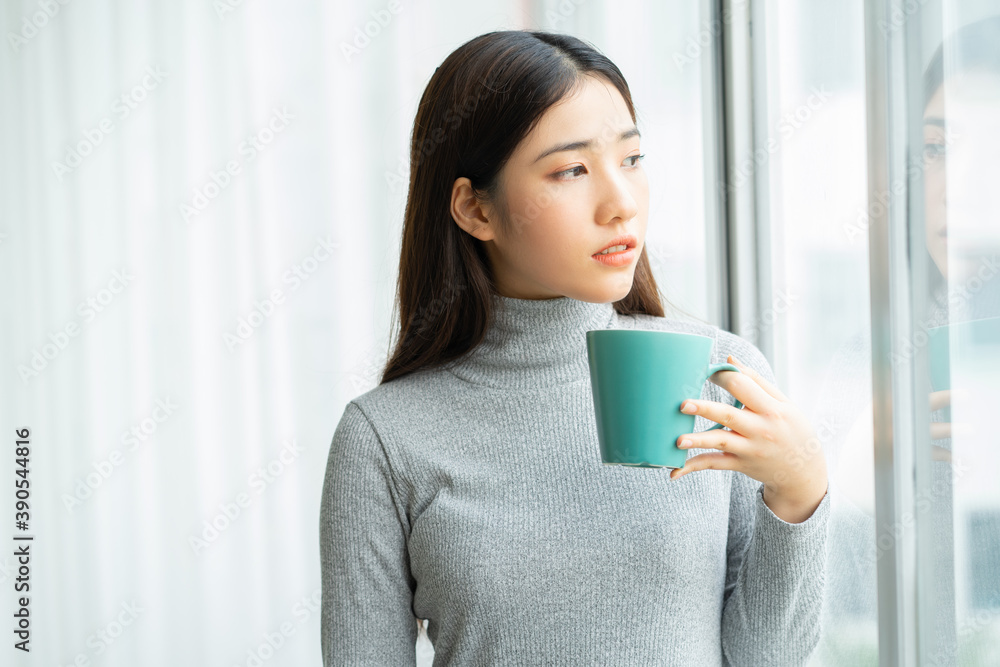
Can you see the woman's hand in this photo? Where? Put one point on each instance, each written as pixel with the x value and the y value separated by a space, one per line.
pixel 940 430
pixel 770 440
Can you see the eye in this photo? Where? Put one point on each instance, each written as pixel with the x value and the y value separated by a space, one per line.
pixel 635 159
pixel 933 152
pixel 571 170
pixel 575 171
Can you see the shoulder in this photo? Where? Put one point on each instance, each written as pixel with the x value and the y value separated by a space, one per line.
pixel 389 424
pixel 403 400
pixel 412 386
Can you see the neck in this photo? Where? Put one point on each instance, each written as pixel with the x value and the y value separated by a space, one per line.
pixel 535 343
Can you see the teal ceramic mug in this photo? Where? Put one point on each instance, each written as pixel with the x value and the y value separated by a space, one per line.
pixel 967 344
pixel 639 379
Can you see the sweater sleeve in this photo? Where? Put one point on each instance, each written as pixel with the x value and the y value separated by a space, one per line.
pixel 367 588
pixel 775 574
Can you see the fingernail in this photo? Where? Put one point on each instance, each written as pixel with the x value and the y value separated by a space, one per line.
pixel 688 407
pixel 685 443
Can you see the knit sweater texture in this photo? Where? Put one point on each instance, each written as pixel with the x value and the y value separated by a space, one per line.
pixel 473 495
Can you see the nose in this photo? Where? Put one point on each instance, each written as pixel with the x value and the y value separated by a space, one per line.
pixel 618 198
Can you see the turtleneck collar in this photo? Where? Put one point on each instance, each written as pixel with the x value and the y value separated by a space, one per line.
pixel 535 342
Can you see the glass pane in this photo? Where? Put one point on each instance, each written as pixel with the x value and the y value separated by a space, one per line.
pixel 959 333
pixel 815 159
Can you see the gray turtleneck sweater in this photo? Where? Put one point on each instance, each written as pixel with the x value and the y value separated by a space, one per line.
pixel 473 495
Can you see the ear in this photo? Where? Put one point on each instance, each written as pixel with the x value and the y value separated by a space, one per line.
pixel 469 213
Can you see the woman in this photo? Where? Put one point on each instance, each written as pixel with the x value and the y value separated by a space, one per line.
pixel 467 488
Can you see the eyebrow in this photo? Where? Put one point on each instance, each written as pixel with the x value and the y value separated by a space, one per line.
pixel 586 144
pixel 950 127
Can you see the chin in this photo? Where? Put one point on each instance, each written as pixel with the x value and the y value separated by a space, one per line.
pixel 605 294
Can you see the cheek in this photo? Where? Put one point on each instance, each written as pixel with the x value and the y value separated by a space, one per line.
pixel 545 244
pixel 934 187
pixel 549 218
pixel 529 239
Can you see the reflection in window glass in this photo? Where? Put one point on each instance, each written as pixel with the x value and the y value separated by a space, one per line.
pixel 961 142
pixel 819 218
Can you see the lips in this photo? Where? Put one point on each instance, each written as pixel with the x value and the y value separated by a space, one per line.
pixel 625 240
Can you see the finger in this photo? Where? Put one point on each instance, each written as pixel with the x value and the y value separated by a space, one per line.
pixel 745 388
pixel 768 386
pixel 940 399
pixel 732 418
pixel 940 430
pixel 713 461
pixel 723 441
pixel 940 453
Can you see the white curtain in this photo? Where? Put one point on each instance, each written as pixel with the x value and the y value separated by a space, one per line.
pixel 199 224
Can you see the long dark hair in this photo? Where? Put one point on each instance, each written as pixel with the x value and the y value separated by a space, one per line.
pixel 479 104
pixel 975 47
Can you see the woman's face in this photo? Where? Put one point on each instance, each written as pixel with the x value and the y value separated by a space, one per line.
pixel 961 145
pixel 565 203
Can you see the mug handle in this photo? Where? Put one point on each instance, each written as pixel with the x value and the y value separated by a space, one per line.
pixel 714 368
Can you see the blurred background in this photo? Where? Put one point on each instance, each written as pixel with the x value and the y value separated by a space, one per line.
pixel 200 212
